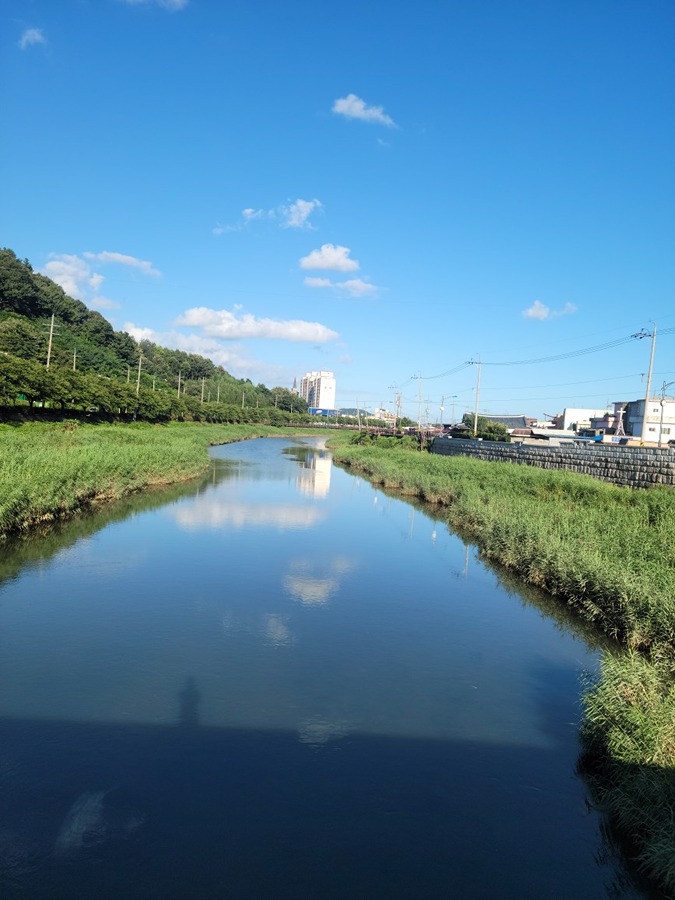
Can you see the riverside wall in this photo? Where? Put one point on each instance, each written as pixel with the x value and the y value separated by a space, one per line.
pixel 634 466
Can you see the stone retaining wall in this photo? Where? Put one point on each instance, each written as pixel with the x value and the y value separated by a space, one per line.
pixel 634 466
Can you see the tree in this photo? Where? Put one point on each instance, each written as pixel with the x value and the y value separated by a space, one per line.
pixel 21 338
pixel 486 429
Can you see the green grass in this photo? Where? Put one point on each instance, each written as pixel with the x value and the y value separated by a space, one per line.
pixel 629 760
pixel 50 470
pixel 608 551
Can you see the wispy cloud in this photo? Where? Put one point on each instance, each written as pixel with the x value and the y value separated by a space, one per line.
pixel 32 36
pixel 353 107
pixel 233 325
pixel 72 273
pixel 293 214
pixel 78 279
pixel 355 287
pixel 99 302
pixel 122 259
pixel 540 311
pixel 172 5
pixel 330 256
pixel 231 356
pixel 297 214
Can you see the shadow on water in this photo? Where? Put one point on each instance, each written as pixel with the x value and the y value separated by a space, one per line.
pixel 188 704
pixel 172 812
pixel 189 810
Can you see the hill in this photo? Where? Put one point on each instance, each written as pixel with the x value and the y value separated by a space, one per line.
pixel 44 334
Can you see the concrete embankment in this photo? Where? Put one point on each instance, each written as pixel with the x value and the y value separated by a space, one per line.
pixel 634 466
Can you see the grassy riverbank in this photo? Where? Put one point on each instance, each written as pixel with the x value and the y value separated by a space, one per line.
pixel 50 470
pixel 609 552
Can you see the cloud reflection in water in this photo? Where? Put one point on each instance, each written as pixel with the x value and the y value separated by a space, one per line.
pixel 208 512
pixel 313 582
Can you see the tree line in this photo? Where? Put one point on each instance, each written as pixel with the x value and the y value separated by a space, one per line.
pixel 56 352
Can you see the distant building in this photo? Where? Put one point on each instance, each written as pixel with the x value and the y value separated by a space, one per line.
pixel 318 390
pixel 659 423
pixel 577 418
pixel 384 416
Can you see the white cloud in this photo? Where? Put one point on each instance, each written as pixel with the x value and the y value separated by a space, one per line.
pixel 330 257
pixel 294 214
pixel 100 302
pixel 172 5
pixel 297 214
pixel 30 37
pixel 230 326
pixel 123 260
pixel 78 279
pixel 540 311
pixel 355 287
pixel 251 214
pixel 72 273
pixel 232 357
pixel 353 107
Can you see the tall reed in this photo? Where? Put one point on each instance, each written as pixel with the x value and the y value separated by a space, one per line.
pixel 608 550
pixel 49 470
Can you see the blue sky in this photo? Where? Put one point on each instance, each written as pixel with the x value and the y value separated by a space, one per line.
pixel 386 190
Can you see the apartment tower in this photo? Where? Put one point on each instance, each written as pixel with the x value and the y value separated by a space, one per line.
pixel 318 389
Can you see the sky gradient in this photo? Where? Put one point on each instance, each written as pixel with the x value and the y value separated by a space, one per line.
pixel 388 191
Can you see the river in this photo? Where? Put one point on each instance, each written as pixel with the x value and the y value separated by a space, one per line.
pixel 280 682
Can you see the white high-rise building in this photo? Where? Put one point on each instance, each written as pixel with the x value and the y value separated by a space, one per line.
pixel 318 389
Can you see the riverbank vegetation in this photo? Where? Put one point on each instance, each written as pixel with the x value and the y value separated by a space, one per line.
pixel 609 552
pixel 50 470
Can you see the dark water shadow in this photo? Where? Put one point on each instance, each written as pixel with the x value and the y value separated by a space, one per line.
pixel 215 813
pixel 188 704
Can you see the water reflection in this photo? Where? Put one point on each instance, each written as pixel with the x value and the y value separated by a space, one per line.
pixel 315 479
pixel 209 511
pixel 273 628
pixel 314 582
pixel 333 708
pixel 318 731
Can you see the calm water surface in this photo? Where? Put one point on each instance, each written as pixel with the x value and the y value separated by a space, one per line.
pixel 283 683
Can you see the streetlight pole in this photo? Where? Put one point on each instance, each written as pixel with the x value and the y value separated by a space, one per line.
pixel 663 403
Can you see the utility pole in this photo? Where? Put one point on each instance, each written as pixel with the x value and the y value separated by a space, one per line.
pixel 74 358
pixel 643 434
pixel 243 395
pixel 203 383
pixel 51 337
pixel 397 403
pixel 475 415
pixel 178 394
pixel 138 377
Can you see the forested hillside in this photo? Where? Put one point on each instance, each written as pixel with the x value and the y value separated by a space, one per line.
pixel 77 360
